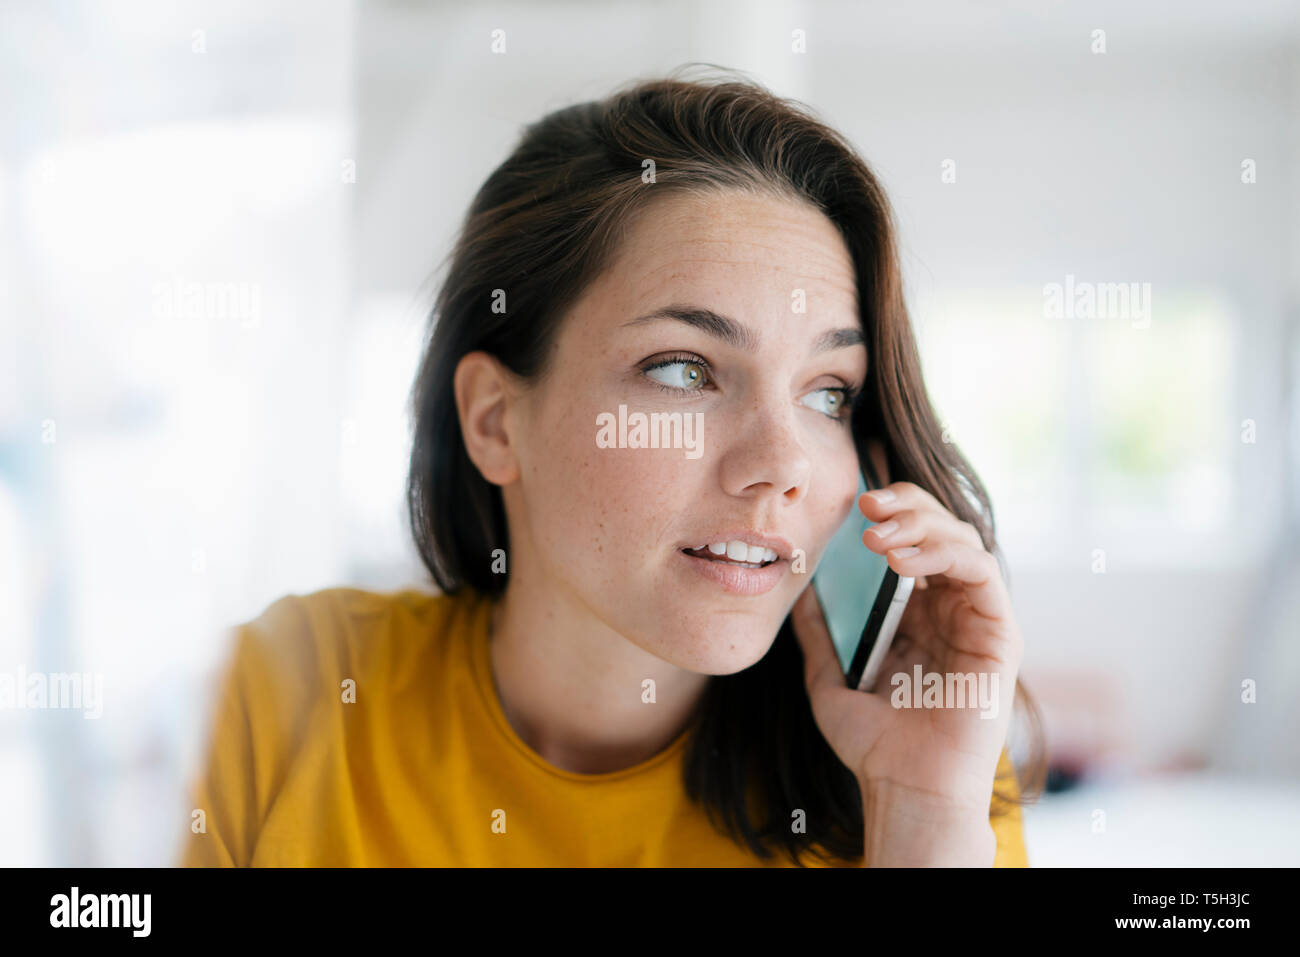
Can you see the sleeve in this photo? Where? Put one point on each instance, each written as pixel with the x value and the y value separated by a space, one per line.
pixel 251 729
pixel 1009 825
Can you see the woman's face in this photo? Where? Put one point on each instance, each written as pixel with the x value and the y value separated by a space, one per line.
pixel 773 456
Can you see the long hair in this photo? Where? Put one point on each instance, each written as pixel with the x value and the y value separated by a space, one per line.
pixel 543 225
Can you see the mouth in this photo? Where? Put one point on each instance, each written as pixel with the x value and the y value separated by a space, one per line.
pixel 743 578
pixel 704 553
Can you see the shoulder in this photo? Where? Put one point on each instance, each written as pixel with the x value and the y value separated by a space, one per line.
pixel 333 629
pixel 288 668
pixel 278 695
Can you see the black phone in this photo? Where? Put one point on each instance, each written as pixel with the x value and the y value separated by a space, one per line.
pixel 862 599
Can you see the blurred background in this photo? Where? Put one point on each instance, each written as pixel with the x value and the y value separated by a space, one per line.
pixel 220 225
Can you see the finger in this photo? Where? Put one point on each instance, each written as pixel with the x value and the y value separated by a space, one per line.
pixel 821 663
pixel 900 496
pixel 913 526
pixel 975 570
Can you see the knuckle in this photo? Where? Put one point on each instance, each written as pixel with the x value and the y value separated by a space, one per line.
pixel 900 488
pixel 991 564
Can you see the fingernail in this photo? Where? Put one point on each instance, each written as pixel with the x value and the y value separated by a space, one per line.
pixel 905 552
pixel 885 530
pixel 883 496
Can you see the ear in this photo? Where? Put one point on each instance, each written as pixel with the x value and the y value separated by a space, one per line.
pixel 483 399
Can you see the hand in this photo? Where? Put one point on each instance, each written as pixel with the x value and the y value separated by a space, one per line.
pixel 958 620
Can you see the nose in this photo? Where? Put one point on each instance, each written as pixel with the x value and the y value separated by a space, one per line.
pixel 764 454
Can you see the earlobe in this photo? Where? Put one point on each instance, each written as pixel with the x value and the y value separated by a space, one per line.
pixel 482 405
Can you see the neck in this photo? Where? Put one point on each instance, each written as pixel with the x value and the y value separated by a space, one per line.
pixel 571 687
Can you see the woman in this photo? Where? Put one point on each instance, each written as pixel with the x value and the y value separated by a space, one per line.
pixel 625 665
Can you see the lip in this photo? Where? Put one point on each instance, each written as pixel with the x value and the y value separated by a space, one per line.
pixel 734 578
pixel 784 550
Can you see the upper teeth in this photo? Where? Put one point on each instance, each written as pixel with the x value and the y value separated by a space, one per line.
pixel 741 551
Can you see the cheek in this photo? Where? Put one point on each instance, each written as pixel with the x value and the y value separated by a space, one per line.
pixel 603 508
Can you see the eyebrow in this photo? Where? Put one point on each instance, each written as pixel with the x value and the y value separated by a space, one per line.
pixel 739 335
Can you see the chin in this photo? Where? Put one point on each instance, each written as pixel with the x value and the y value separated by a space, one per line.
pixel 722 653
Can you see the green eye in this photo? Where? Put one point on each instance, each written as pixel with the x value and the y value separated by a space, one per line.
pixel 837 399
pixel 691 376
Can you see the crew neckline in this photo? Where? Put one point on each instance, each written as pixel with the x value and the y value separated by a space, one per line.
pixel 481 665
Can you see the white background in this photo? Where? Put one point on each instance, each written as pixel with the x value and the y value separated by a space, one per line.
pixel 164 476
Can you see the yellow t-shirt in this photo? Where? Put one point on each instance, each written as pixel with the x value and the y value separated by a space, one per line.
pixel 421 768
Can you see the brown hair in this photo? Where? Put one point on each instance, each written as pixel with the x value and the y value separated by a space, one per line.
pixel 543 225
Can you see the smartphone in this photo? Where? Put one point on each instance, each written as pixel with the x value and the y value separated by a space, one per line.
pixel 862 599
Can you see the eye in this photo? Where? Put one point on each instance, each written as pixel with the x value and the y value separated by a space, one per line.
pixel 687 372
pixel 839 402
pixel 694 371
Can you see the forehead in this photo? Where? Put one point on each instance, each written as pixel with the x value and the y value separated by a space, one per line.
pixel 735 251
